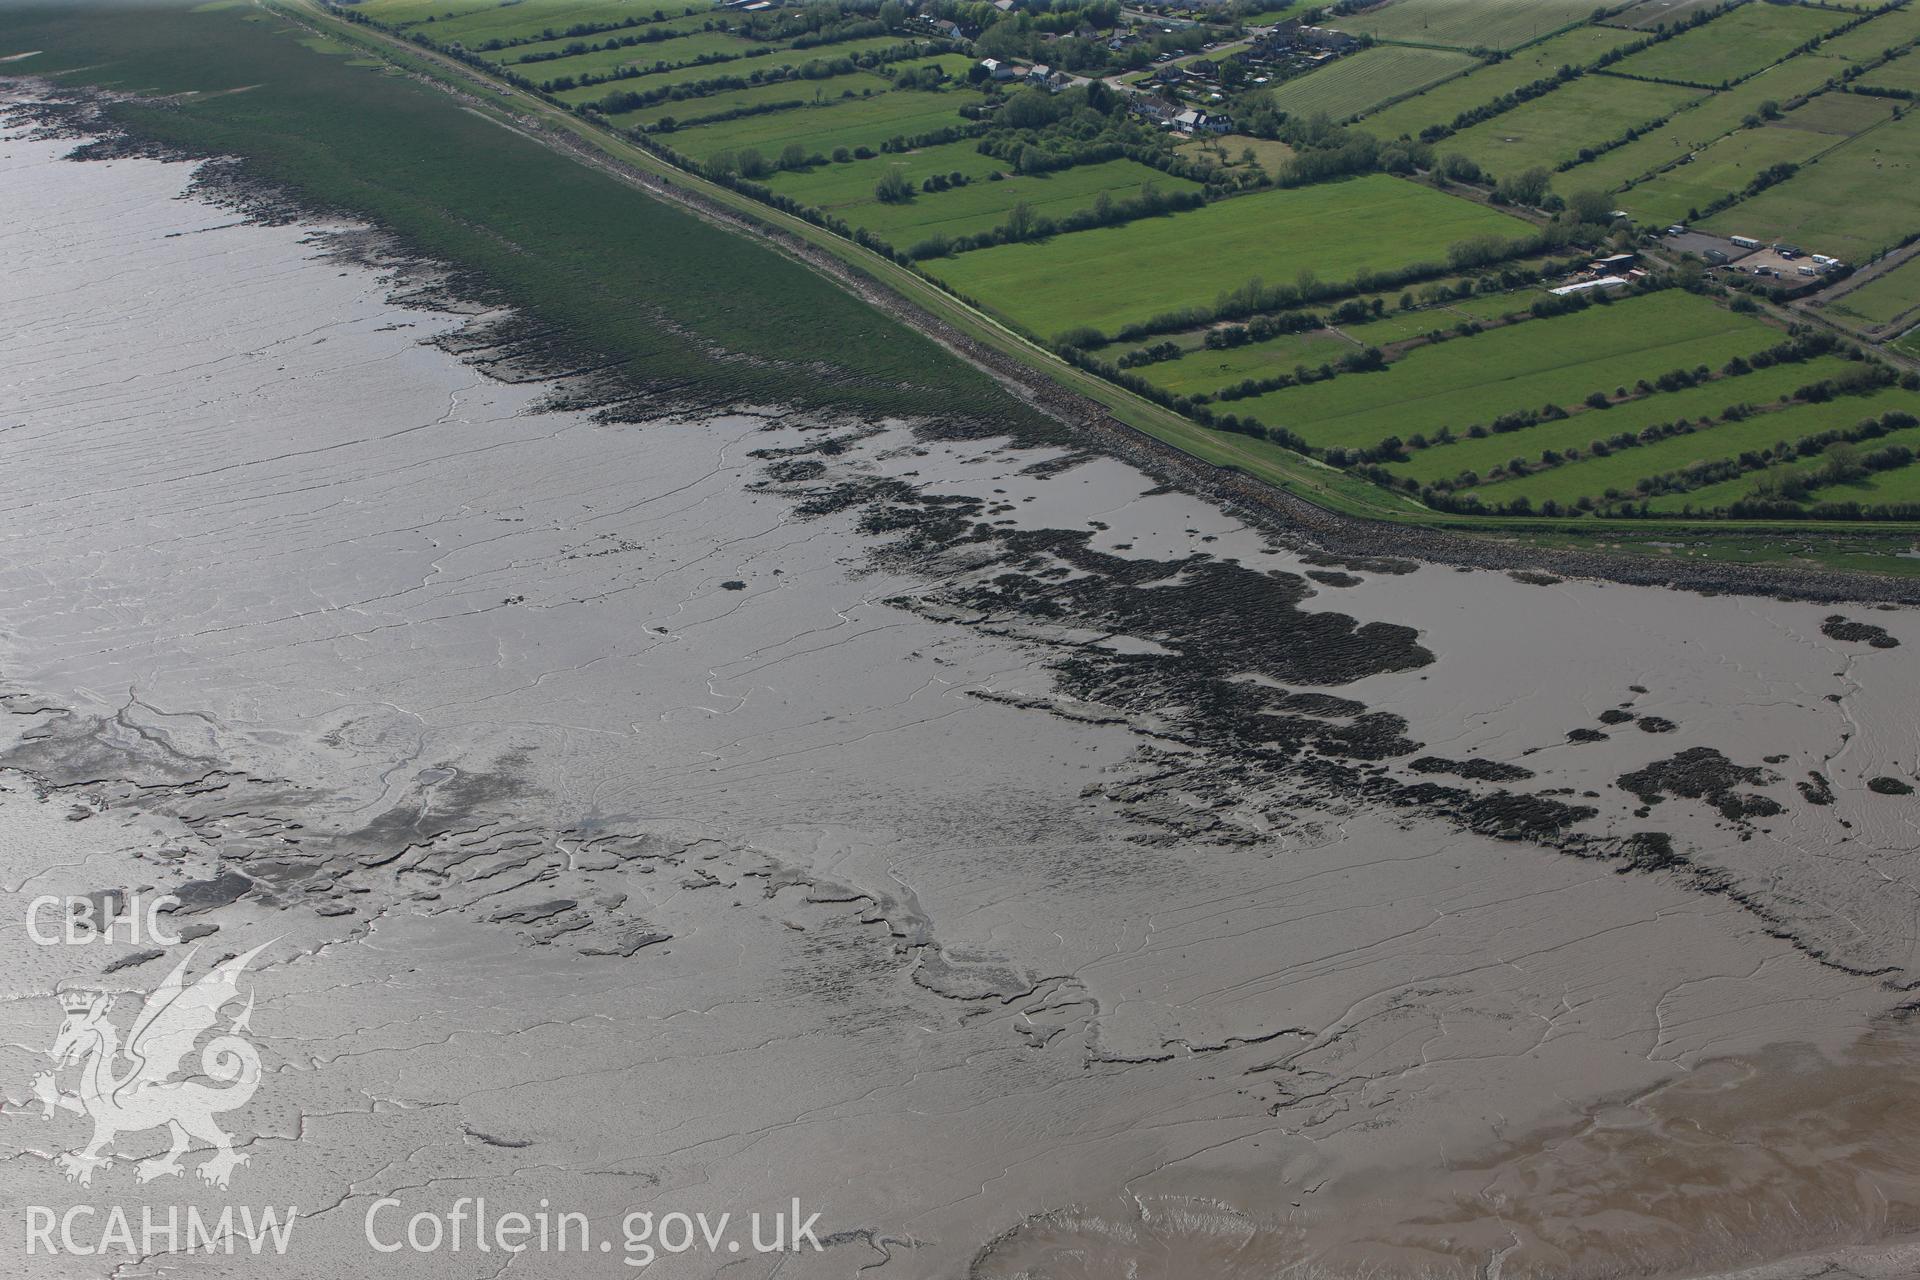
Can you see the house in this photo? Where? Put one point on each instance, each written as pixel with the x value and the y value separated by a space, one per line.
pixel 996 69
pixel 1159 110
pixel 951 30
pixel 1191 120
pixel 1329 40
pixel 1206 68
pixel 1612 265
pixel 1039 73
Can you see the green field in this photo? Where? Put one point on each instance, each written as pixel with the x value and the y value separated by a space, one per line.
pixel 1592 477
pixel 1525 366
pixel 1902 485
pixel 1721 169
pixel 1121 275
pixel 652 78
pixel 849 123
pixel 1761 388
pixel 1902 74
pixel 1204 370
pixel 1872 39
pixel 512 21
pixel 1713 497
pixel 1467 24
pixel 1884 299
pixel 1442 103
pixel 1649 14
pixel 683 51
pixel 1588 113
pixel 635 283
pixel 838 186
pixel 810 93
pixel 1359 82
pixel 1855 201
pixel 1732 46
pixel 402 12
pixel 1698 126
pixel 1488 307
pixel 982 205
pixel 528 59
pixel 743 68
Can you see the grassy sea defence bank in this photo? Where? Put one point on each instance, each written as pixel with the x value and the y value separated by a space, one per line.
pixel 603 276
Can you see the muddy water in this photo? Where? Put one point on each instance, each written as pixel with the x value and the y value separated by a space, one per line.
pixel 1030 869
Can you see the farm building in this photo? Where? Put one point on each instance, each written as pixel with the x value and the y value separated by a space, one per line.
pixel 1588 286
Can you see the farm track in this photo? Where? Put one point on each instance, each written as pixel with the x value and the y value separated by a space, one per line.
pixel 1268 506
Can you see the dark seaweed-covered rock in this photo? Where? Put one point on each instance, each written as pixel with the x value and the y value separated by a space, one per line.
pixel 1657 724
pixel 1701 773
pixel 1534 578
pixel 1334 578
pixel 1324 705
pixel 1650 851
pixel 1363 564
pixel 1815 789
pixel 1522 817
pixel 1840 627
pixel 1615 715
pixel 1889 786
pixel 1586 735
pixel 1478 770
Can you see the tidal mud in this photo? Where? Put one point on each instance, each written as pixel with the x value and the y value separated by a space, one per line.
pixel 1036 868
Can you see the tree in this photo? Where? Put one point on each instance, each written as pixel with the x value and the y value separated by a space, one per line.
pixel 893 189
pixel 1590 206
pixel 1528 187
pixel 1841 463
pixel 1457 168
pixel 753 164
pixel 1020 222
pixel 793 156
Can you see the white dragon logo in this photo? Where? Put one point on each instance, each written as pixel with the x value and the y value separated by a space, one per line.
pixel 143 1095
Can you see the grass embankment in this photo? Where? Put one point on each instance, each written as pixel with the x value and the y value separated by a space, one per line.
pixel 672 300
